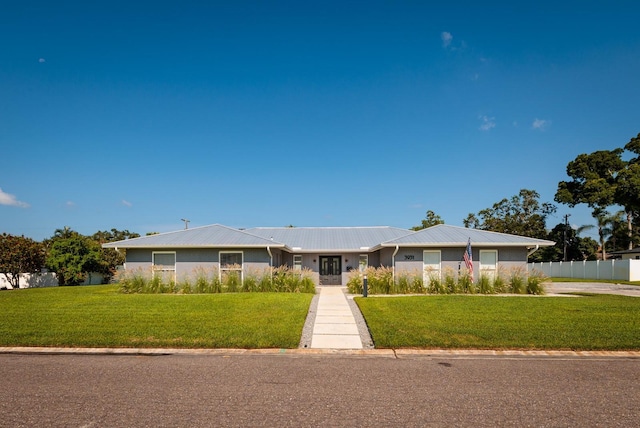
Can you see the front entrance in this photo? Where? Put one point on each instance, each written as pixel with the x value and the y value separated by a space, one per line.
pixel 330 270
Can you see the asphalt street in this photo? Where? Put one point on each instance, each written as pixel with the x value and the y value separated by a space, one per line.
pixel 306 390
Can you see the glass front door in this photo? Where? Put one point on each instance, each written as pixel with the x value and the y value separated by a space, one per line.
pixel 330 270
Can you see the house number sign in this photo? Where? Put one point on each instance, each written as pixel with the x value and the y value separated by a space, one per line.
pixel 409 257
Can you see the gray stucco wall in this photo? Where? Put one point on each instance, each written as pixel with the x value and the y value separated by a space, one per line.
pixel 188 259
pixel 411 259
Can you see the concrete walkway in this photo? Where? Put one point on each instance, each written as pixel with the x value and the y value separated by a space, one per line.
pixel 334 327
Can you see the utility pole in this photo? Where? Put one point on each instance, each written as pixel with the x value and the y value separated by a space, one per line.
pixel 186 223
pixel 566 227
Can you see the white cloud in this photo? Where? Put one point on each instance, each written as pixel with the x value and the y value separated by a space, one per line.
pixel 41 60
pixel 487 123
pixel 540 124
pixel 9 199
pixel 70 204
pixel 126 203
pixel 446 38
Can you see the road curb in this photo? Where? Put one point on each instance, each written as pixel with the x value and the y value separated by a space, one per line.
pixel 385 353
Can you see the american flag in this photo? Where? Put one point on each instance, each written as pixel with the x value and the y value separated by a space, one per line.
pixel 468 259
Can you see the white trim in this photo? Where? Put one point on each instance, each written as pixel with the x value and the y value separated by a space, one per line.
pixel 489 270
pixel 175 263
pixel 366 263
pixel 426 275
pixel 221 268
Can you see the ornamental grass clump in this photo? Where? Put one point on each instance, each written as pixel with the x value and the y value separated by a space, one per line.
pixel 452 286
pixel 535 283
pixel 466 285
pixel 500 285
pixel 436 285
pixel 207 281
pixel 355 282
pixel 380 281
pixel 409 283
pixel 485 284
pixel 517 281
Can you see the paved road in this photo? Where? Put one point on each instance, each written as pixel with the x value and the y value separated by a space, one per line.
pixel 316 390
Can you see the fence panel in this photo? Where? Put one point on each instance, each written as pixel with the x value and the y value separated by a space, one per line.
pixel 624 270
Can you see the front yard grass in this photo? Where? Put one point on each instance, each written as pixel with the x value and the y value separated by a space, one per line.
pixel 100 316
pixel 593 322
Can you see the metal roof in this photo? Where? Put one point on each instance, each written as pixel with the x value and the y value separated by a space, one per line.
pixel 443 235
pixel 215 235
pixel 314 239
pixel 326 239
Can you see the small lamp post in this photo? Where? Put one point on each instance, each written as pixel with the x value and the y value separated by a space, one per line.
pixel 365 290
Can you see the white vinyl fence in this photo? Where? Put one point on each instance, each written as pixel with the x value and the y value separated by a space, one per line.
pixel 47 279
pixel 32 280
pixel 624 270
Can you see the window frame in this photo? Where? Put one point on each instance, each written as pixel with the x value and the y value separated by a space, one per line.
pixel 426 276
pixel 363 266
pixel 297 262
pixel 162 271
pixel 492 270
pixel 225 268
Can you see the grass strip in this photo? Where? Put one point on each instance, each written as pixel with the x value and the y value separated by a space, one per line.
pixel 593 322
pixel 100 316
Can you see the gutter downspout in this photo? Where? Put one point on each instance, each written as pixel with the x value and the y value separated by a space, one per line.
pixel 532 251
pixel 393 263
pixel 270 262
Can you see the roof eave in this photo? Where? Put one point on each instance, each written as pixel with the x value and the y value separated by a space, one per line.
pixel 463 244
pixel 147 246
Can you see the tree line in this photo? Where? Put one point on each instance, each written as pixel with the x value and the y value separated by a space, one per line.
pixel 71 255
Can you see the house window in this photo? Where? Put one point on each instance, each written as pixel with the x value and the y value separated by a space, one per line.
pixel 489 263
pixel 297 262
pixel 431 261
pixel 363 262
pixel 164 264
pixel 231 264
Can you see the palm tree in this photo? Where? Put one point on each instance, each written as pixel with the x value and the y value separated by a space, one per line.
pixel 606 223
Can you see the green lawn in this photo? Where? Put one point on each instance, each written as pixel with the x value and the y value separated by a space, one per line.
pixel 100 316
pixel 594 322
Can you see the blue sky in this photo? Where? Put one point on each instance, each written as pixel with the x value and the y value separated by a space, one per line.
pixel 115 115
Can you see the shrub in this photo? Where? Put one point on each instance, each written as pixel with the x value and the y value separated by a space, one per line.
pixel 465 284
pixel 517 279
pixel 499 283
pixel 355 282
pixel 485 285
pixel 535 283
pixel 451 284
pixel 380 281
pixel 211 281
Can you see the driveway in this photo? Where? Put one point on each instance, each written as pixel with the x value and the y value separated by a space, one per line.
pixel 592 287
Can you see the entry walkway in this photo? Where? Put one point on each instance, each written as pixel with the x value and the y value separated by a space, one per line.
pixel 334 327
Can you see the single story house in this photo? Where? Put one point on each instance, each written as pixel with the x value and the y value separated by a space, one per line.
pixel 633 254
pixel 328 252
